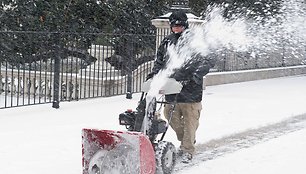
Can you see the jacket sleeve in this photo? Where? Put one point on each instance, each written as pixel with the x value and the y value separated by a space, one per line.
pixel 205 64
pixel 159 62
pixel 195 69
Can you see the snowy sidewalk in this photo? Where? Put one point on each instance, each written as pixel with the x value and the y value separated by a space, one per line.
pixel 283 155
pixel 40 139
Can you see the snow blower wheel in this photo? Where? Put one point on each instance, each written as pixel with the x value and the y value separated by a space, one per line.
pixel 165 155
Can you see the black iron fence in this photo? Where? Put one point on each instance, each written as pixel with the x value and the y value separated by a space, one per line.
pixel 45 67
pixel 39 67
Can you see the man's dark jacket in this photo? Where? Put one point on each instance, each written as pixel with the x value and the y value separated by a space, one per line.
pixel 191 74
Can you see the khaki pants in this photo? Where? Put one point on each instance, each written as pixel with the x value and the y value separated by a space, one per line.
pixel 184 122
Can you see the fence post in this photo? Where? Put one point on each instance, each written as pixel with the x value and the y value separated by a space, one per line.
pixel 1 88
pixel 129 92
pixel 56 75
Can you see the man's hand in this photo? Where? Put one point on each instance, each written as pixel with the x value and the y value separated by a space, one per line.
pixel 197 79
pixel 184 82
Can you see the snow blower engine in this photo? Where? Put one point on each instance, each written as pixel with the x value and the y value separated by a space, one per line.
pixel 133 120
pixel 136 151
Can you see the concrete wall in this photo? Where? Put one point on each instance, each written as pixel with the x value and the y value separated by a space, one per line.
pixel 218 78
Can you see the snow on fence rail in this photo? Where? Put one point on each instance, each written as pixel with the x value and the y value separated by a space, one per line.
pixel 24 87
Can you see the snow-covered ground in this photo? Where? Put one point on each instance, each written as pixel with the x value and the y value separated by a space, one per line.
pixel 250 127
pixel 282 155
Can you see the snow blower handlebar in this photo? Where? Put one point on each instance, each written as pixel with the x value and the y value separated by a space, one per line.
pixel 171 86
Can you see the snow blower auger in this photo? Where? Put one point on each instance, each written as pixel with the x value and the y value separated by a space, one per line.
pixel 136 151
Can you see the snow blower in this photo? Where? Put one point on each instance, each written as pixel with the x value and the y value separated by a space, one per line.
pixel 139 150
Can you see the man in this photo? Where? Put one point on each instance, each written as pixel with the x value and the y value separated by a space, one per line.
pixel 185 120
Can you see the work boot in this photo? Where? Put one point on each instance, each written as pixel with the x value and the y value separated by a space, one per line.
pixel 186 157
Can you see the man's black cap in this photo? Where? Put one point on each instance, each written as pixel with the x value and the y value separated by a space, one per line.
pixel 178 18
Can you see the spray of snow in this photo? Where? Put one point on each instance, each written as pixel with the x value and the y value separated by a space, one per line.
pixel 284 28
pixel 214 33
pixel 238 34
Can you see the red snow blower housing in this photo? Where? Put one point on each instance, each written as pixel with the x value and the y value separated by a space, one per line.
pixel 136 151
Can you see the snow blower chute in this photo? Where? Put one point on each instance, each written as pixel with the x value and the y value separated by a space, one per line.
pixel 137 150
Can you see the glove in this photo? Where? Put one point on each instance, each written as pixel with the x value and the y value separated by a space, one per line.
pixel 197 79
pixel 180 78
pixel 184 82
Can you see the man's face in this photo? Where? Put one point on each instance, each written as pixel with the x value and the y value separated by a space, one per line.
pixel 177 28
